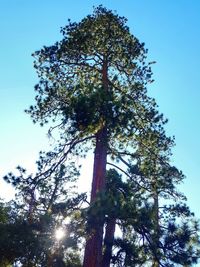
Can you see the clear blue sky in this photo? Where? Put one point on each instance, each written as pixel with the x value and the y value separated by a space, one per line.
pixel 171 32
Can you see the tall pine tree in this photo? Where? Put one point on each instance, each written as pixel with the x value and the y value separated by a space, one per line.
pixel 94 82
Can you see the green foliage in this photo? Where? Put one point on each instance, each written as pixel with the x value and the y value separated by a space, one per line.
pixel 43 204
pixel 72 84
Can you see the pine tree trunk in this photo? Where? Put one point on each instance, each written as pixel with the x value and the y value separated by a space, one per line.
pixel 156 238
pixel 108 242
pixel 93 249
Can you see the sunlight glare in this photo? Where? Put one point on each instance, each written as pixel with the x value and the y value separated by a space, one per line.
pixel 59 233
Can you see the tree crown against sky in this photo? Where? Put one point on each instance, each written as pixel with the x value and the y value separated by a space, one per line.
pixel 70 75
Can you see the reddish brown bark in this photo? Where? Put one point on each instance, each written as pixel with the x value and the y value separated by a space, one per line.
pixel 156 237
pixel 99 168
pixel 93 249
pixel 108 242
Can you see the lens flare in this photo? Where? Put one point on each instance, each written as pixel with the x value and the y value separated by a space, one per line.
pixel 59 233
